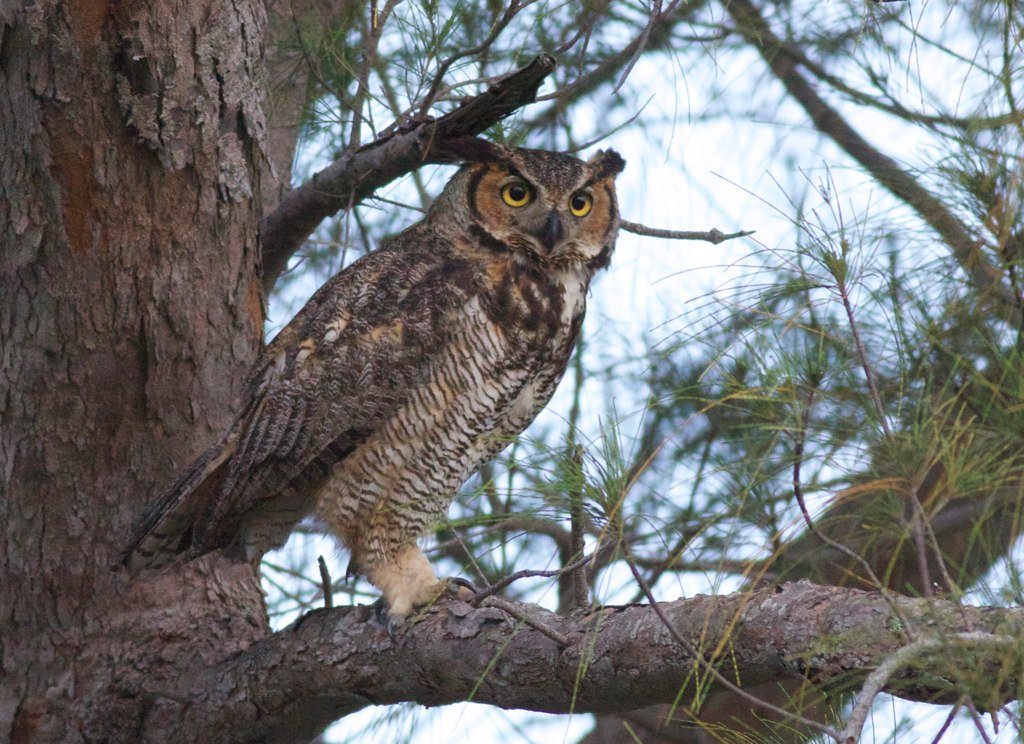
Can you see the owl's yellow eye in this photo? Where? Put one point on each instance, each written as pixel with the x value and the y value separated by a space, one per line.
pixel 516 194
pixel 580 204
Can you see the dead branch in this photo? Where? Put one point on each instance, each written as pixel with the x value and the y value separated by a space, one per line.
pixel 714 235
pixel 406 146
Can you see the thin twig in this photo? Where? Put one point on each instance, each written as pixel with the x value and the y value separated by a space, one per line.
pixel 844 294
pixel 947 723
pixel 671 559
pixel 604 69
pixel 951 587
pixel 641 45
pixel 714 235
pixel 978 723
pixel 469 557
pixel 582 28
pixel 528 574
pixel 394 203
pixel 917 530
pixel 602 136
pixel 658 566
pixel 377 21
pixel 325 583
pixel 506 606
pixel 518 524
pixel 499 25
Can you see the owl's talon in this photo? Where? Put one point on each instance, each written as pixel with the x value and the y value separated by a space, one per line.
pixel 458 582
pixel 392 623
pixel 380 610
pixel 463 582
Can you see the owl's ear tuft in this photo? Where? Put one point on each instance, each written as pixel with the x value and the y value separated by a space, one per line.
pixel 606 163
pixel 471 150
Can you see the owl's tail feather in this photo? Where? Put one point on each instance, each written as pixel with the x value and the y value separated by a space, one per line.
pixel 166 529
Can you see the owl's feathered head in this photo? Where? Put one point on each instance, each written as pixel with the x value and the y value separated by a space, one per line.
pixel 547 208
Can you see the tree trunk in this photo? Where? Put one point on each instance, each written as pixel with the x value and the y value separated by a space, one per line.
pixel 130 310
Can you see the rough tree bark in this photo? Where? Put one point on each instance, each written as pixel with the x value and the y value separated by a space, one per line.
pixel 135 174
pixel 131 308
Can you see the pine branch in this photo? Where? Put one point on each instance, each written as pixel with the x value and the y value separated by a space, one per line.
pixel 983 275
pixel 338 661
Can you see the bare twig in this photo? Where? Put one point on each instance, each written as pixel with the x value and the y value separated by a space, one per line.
pixel 640 45
pixel 933 540
pixel 499 25
pixel 976 718
pixel 504 605
pixel 605 134
pixel 325 582
pixel 523 523
pixel 652 35
pixel 658 567
pixel 714 235
pixel 528 574
pixel 862 356
pixel 917 521
pixel 370 45
pixel 672 557
pixel 946 724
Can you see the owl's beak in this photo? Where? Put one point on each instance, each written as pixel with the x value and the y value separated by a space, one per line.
pixel 552 232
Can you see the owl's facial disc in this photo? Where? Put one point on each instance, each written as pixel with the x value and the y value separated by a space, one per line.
pixel 546 208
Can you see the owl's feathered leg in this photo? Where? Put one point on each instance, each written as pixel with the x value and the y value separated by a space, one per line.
pixel 406 579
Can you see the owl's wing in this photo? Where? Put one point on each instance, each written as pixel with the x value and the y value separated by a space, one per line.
pixel 335 373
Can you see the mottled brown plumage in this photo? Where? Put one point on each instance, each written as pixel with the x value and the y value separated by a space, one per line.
pixel 404 374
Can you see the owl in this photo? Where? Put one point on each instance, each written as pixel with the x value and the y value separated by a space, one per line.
pixel 404 374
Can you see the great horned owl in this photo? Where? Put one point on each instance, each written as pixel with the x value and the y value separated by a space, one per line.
pixel 404 374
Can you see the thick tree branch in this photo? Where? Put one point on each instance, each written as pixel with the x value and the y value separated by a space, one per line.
pixel 407 146
pixel 338 661
pixel 985 277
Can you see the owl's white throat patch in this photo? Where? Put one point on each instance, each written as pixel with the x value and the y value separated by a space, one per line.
pixel 574 294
